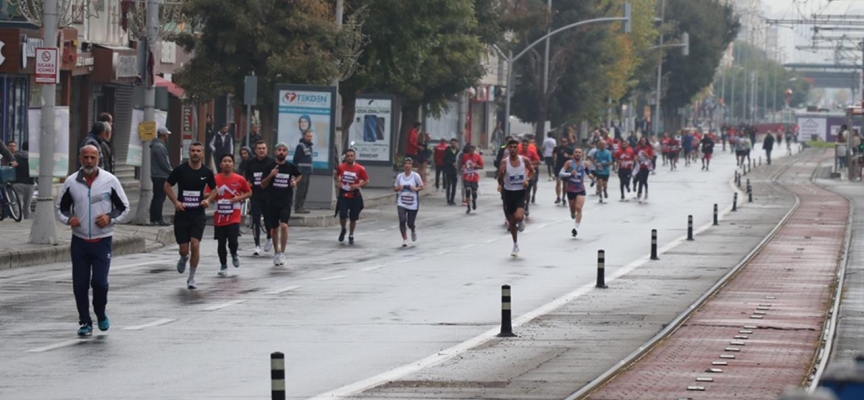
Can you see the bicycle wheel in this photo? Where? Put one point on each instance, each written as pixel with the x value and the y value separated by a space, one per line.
pixel 12 203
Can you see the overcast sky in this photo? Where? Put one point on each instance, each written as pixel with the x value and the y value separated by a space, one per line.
pixel 802 35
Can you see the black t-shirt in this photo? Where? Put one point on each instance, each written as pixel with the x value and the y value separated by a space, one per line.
pixel 280 188
pixel 563 153
pixel 190 185
pixel 707 145
pixel 256 170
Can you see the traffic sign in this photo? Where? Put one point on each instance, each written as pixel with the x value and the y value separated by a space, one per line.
pixel 47 65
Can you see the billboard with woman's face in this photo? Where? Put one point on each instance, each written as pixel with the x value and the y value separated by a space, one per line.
pixel 304 109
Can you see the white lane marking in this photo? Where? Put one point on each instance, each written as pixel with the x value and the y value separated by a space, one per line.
pixel 491 240
pixel 468 246
pixel 149 325
pixel 372 268
pixel 330 278
pixel 55 346
pixel 441 253
pixel 223 305
pixel 285 289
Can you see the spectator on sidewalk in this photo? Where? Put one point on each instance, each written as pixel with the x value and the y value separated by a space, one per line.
pixel 413 137
pixel 438 155
pixel 768 146
pixel 99 137
pixel 451 155
pixel 209 134
pixel 245 155
pixel 92 220
pixel 107 149
pixel 222 143
pixel 160 168
pixel 254 136
pixel 303 160
pixel 23 185
pixel 422 159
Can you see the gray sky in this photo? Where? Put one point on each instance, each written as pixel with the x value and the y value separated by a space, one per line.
pixel 802 35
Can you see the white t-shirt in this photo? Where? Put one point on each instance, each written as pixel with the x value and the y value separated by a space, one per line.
pixel 548 147
pixel 406 198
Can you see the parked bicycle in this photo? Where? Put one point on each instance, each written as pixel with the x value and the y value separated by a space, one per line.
pixel 9 204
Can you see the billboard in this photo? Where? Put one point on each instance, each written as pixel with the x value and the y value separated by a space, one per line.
pixel 372 129
pixel 301 109
pixel 61 140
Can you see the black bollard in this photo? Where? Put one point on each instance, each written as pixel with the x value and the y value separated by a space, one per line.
pixel 735 202
pixel 506 324
pixel 715 214
pixel 601 270
pixel 744 170
pixel 689 227
pixel 277 376
pixel 760 161
pixel 654 245
pixel 749 192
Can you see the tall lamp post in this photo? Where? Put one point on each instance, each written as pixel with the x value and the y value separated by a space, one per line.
pixel 511 59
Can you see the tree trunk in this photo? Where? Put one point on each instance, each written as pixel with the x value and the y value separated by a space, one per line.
pixel 268 127
pixel 349 101
pixel 540 126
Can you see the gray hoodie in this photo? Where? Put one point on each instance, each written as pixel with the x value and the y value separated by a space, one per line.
pixel 160 165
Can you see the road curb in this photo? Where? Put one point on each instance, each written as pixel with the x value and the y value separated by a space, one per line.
pixel 121 245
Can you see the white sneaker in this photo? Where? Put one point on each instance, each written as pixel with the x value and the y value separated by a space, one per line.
pixel 413 236
pixel 404 243
pixel 515 251
pixel 223 271
pixel 282 259
pixel 257 251
pixel 268 246
pixel 190 284
pixel 520 226
pixel 277 261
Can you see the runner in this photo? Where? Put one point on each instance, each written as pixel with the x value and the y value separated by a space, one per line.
pixel 232 190
pixel 350 177
pixel 687 147
pixel 280 182
pixel 707 150
pixel 92 201
pixel 673 146
pixel 256 169
pixel 625 157
pixel 408 186
pixel 573 172
pixel 529 152
pixel 562 154
pixel 644 164
pixel 471 162
pixel 548 151
pixel 514 176
pixel 602 160
pixel 191 178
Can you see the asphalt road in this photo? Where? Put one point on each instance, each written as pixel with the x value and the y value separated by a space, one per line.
pixel 340 313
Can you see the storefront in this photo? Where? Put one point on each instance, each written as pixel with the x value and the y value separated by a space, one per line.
pixel 15 80
pixel 111 90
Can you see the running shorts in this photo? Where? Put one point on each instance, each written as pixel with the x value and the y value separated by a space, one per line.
pixel 602 177
pixel 276 214
pixel 470 185
pixel 226 231
pixel 350 208
pixel 189 225
pixel 574 195
pixel 513 200
pixel 706 156
pixel 548 161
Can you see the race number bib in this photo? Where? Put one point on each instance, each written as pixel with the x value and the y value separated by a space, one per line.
pixel 282 181
pixel 407 199
pixel 256 178
pixel 191 198
pixel 516 179
pixel 224 207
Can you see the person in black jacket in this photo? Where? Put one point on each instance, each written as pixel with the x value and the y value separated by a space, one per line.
pixel 222 143
pixel 450 170
pixel 24 184
pixel 303 159
pixel 768 145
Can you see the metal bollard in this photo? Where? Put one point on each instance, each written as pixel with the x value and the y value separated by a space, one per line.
pixel 689 227
pixel 506 324
pixel 277 376
pixel 735 202
pixel 749 192
pixel 601 270
pixel 760 161
pixel 744 170
pixel 654 245
pixel 715 214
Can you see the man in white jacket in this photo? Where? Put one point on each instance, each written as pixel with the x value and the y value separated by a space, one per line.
pixel 91 202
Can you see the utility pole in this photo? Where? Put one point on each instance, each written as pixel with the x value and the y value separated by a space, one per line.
pixel 546 69
pixel 734 72
pixel 657 117
pixel 145 194
pixel 43 230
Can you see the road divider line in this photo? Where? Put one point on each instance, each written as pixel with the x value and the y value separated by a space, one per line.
pixel 468 246
pixel 330 278
pixel 223 305
pixel 285 289
pixel 56 346
pixel 150 325
pixel 372 268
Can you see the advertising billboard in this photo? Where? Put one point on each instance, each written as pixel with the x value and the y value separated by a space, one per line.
pixel 372 129
pixel 301 109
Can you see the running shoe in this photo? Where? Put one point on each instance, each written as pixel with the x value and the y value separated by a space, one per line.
pixel 268 246
pixel 515 251
pixel 277 261
pixel 474 204
pixel 257 251
pixel 413 236
pixel 468 210
pixel 85 329
pixel 181 264
pixel 223 270
pixel 573 232
pixel 520 226
pixel 557 200
pixel 190 284
pixel 350 239
pixel 104 324
pixel 342 235
pixel 533 200
pixel 404 243
pixel 572 215
pixel 282 259
pixel 235 260
pixel 622 197
pixel 605 193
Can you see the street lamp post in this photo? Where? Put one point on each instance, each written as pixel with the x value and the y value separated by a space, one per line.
pixel 511 58
pixel 656 122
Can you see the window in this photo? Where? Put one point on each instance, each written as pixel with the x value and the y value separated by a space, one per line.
pixel 13 107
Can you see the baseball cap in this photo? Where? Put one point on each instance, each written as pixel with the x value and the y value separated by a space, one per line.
pixel 163 131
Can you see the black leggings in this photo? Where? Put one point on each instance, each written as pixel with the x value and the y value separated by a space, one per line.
pixel 642 180
pixel 439 170
pixel 624 176
pixel 223 254
pixel 451 180
pixel 257 211
pixel 406 217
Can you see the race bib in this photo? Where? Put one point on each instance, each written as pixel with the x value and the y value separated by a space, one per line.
pixel 282 181
pixel 516 179
pixel 224 207
pixel 191 198
pixel 256 178
pixel 407 199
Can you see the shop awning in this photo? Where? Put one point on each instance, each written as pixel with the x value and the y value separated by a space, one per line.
pixel 172 87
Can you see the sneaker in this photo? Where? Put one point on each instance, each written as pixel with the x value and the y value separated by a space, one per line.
pixel 235 260
pixel 350 239
pixel 277 261
pixel 605 194
pixel 622 197
pixel 85 329
pixel 573 232
pixel 557 200
pixel 268 246
pixel 404 243
pixel 468 210
pixel 515 251
pixel 628 188
pixel 104 324
pixel 533 200
pixel 520 226
pixel 572 215
pixel 223 270
pixel 190 284
pixel 474 204
pixel 181 264
pixel 413 236
pixel 646 196
pixel 342 235
pixel 282 259
pixel 257 251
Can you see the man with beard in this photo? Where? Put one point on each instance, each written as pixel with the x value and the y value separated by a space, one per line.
pixel 280 182
pixel 350 178
pixel 258 167
pixel 303 160
pixel 91 202
pixel 191 178
pixel 514 177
